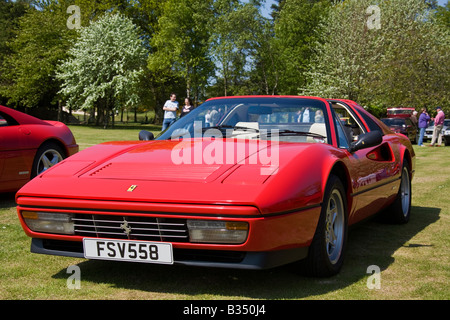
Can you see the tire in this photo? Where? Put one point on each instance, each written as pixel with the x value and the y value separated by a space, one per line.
pixel 400 210
pixel 47 156
pixel 447 141
pixel 326 252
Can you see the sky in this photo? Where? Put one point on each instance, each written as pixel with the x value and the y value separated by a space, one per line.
pixel 266 8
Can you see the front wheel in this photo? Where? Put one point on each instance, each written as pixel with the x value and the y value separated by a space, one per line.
pixel 326 252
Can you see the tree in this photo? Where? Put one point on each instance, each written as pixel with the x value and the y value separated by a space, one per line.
pixel 28 71
pixel 443 15
pixel 9 14
pixel 234 30
pixel 265 74
pixel 180 44
pixel 104 67
pixel 402 61
pixel 416 66
pixel 295 39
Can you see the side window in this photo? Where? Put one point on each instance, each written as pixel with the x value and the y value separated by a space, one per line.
pixel 6 120
pixel 3 122
pixel 342 138
pixel 351 127
pixel 373 126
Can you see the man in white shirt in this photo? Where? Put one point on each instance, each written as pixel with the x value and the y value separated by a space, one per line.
pixel 170 111
pixel 304 117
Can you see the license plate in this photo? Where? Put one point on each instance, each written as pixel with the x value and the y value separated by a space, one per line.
pixel 128 250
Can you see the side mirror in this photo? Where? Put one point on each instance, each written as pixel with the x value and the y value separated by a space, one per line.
pixel 146 135
pixel 366 140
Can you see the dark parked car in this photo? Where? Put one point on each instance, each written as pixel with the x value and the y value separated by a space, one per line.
pixel 402 125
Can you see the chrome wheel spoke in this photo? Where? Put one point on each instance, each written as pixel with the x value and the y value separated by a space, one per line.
pixel 334 226
pixel 48 159
pixel 405 192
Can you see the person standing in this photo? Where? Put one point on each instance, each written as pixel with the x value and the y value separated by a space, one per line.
pixel 304 117
pixel 170 111
pixel 187 107
pixel 424 118
pixel 414 118
pixel 438 125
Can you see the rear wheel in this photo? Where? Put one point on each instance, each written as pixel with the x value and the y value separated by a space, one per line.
pixel 326 252
pixel 47 156
pixel 399 212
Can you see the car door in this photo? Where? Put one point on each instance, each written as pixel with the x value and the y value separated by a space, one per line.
pixel 3 123
pixel 374 169
pixel 14 167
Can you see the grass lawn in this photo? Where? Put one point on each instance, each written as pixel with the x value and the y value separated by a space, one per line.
pixel 413 258
pixel 89 136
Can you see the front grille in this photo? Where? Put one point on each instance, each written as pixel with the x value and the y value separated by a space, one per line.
pixel 131 227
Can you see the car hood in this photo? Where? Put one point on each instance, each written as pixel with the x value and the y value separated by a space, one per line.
pixel 259 173
pixel 188 161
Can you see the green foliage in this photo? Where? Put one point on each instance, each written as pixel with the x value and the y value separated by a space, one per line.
pixel 296 38
pixel 443 15
pixel 236 31
pixel 207 48
pixel 405 62
pixel 9 14
pixel 180 44
pixel 105 65
pixel 28 73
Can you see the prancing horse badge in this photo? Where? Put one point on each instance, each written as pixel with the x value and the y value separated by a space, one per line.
pixel 131 189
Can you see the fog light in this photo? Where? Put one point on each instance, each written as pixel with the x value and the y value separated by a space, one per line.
pixel 210 231
pixel 49 222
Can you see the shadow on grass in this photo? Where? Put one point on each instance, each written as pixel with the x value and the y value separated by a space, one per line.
pixel 370 243
pixel 7 200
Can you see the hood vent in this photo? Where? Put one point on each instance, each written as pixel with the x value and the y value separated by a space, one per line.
pixel 153 171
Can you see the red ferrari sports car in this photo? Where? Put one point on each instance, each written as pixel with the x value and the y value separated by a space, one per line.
pixel 241 182
pixel 29 146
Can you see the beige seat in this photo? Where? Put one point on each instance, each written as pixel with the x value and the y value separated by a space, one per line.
pixel 317 128
pixel 251 133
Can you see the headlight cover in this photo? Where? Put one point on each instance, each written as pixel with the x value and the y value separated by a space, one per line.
pixel 214 231
pixel 49 222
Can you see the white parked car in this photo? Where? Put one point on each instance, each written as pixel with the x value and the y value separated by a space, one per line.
pixel 446 131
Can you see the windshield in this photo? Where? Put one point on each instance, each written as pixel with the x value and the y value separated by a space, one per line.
pixel 393 122
pixel 400 112
pixel 290 119
pixel 446 123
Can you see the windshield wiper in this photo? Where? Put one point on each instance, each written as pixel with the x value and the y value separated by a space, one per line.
pixel 230 127
pixel 286 132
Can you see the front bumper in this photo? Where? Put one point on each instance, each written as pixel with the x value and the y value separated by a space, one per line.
pixel 189 257
pixel 272 240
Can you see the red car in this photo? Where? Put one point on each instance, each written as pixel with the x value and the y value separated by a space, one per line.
pixel 29 146
pixel 400 112
pixel 240 182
